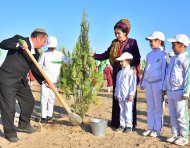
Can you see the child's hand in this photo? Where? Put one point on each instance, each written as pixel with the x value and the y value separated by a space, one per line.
pixel 130 98
pixel 142 87
pixel 163 92
pixel 185 98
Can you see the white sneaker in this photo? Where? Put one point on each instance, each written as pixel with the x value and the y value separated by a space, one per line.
pixel 172 138
pixel 181 141
pixel 147 132
pixel 109 89
pixel 155 133
pixel 120 129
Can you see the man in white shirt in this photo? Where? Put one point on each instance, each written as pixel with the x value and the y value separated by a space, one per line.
pixel 51 61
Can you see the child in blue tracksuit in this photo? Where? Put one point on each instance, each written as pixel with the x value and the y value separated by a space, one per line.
pixel 152 81
pixel 177 87
pixel 125 90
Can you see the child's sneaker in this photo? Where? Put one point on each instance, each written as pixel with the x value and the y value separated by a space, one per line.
pixel 120 129
pixel 147 132
pixel 44 120
pixel 172 138
pixel 50 118
pixel 181 141
pixel 128 130
pixel 155 133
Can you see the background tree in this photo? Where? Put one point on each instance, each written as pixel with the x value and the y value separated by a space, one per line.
pixel 80 76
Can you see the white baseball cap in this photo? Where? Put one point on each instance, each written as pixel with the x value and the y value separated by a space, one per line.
pixel 156 35
pixel 125 56
pixel 182 38
pixel 52 42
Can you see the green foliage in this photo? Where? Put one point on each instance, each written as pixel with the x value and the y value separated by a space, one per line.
pixel 143 62
pixel 80 76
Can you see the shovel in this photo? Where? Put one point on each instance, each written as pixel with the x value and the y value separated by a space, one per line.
pixel 73 117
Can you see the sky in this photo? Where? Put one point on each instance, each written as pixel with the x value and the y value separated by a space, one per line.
pixel 62 18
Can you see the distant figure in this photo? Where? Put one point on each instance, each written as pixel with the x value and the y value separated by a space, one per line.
pixel 97 65
pixel 31 78
pixel 101 67
pixel 108 71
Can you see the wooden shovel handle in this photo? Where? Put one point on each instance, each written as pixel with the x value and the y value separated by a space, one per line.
pixel 48 80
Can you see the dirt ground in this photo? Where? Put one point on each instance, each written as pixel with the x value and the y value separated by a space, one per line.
pixel 60 133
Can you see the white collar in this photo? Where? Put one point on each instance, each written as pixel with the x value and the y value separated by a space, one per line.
pixel 32 46
pixel 161 48
pixel 126 69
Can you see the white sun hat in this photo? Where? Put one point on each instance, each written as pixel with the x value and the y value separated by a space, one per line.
pixel 125 56
pixel 52 42
pixel 182 38
pixel 156 35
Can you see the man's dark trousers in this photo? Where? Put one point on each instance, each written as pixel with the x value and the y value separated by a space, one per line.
pixel 8 96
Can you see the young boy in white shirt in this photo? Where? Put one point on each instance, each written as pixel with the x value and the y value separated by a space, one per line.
pixel 125 90
pixel 51 61
pixel 177 87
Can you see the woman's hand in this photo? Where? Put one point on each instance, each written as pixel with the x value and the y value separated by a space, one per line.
pixel 163 92
pixel 92 53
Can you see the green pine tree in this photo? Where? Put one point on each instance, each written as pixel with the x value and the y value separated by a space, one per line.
pixel 80 76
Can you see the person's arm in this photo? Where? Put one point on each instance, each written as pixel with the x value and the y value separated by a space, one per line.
pixel 186 90
pixel 164 84
pixel 11 43
pixel 133 84
pixel 112 71
pixel 164 66
pixel 117 85
pixel 142 83
pixel 103 56
pixel 136 54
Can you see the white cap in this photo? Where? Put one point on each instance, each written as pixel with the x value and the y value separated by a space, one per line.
pixel 156 35
pixel 182 38
pixel 52 42
pixel 125 56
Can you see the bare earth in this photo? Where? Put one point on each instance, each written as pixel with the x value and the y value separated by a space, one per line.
pixel 60 133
